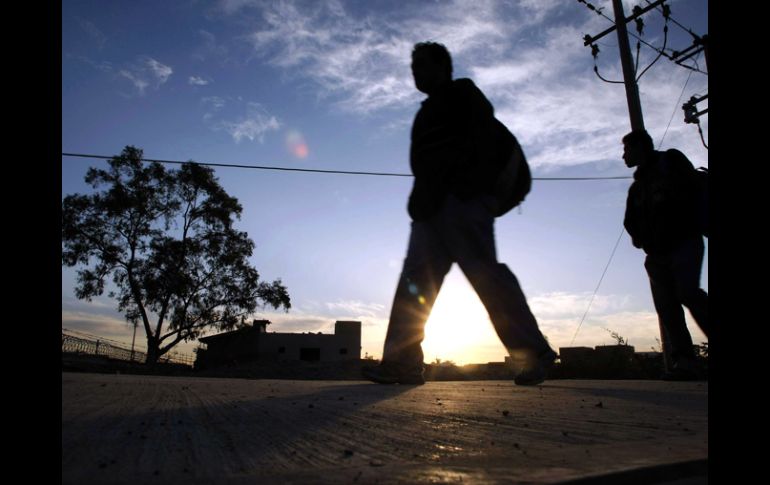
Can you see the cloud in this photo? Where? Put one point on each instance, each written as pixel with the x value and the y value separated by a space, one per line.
pixel 299 323
pixel 210 47
pixel 639 329
pixel 214 102
pixel 563 114
pixel 100 40
pixel 365 61
pixel 102 66
pixel 528 57
pixel 571 305
pixel 233 6
pixel 146 72
pixel 557 109
pixel 98 324
pixel 160 71
pixel 559 316
pixel 356 309
pixel 99 304
pixel 251 128
pixel 139 83
pixel 198 81
pixel 253 125
pixel 538 10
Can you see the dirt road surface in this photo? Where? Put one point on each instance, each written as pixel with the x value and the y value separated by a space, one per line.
pixel 143 430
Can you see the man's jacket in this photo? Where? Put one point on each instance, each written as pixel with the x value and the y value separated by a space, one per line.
pixel 452 148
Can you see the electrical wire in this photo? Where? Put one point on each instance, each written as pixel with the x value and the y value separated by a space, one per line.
pixel 689 31
pixel 665 40
pixel 660 52
pixel 596 70
pixel 598 285
pixel 676 108
pixel 309 170
pixel 701 137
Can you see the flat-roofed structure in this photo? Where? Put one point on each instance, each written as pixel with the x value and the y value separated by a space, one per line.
pixel 255 343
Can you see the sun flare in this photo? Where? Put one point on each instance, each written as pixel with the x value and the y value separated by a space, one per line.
pixel 459 328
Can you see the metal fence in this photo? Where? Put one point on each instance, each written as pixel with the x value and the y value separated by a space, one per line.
pixel 91 345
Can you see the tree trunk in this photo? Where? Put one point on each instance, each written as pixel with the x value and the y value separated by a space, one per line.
pixel 153 351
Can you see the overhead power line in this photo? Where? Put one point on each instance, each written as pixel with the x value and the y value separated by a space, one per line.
pixel 676 108
pixel 590 40
pixel 290 169
pixel 596 290
pixel 313 170
pixel 661 10
pixel 257 167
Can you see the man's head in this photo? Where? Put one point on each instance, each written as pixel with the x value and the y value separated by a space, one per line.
pixel 637 147
pixel 431 66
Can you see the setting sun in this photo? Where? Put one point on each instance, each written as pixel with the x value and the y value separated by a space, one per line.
pixel 459 328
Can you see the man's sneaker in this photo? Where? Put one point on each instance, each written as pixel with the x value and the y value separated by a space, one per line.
pixel 683 370
pixel 387 373
pixel 536 373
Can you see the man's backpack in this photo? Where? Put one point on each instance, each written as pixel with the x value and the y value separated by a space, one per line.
pixel 702 177
pixel 514 179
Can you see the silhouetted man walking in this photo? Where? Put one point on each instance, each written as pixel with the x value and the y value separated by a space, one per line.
pixel 452 213
pixel 662 218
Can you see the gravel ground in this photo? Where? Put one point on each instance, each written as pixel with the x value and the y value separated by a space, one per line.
pixel 121 429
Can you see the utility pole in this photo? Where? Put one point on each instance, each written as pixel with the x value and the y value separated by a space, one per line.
pixel 700 44
pixel 626 61
pixel 629 75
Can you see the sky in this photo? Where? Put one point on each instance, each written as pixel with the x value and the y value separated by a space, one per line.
pixel 326 84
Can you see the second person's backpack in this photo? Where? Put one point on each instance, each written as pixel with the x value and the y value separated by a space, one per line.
pixel 702 176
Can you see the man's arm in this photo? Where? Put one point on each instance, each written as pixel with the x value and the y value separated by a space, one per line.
pixel 430 150
pixel 630 220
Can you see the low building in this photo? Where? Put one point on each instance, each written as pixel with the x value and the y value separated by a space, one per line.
pixel 575 355
pixel 255 343
pixel 614 355
pixel 602 362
